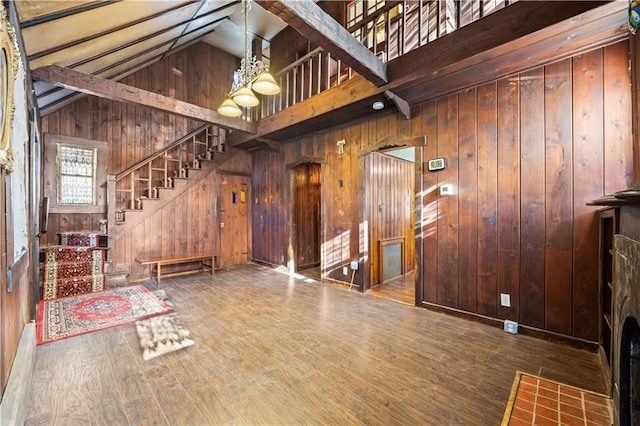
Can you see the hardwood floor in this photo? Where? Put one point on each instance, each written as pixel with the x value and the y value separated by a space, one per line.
pixel 274 349
pixel 401 289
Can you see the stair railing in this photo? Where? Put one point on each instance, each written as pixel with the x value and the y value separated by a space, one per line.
pixel 144 179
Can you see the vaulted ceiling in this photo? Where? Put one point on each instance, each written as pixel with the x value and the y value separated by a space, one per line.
pixel 112 39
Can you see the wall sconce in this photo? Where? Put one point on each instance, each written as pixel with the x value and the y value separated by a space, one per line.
pixel 341 143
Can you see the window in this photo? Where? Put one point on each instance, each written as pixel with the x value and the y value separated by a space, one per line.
pixel 77 175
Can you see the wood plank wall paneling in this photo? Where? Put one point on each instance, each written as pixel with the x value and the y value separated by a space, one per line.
pixel 508 194
pixel 525 153
pixel 559 202
pixel 618 161
pixel 429 199
pixel 189 223
pixel 67 222
pixel 134 132
pixel 588 116
pixel 448 218
pixel 468 201
pixel 487 200
pixel 269 209
pixel 532 197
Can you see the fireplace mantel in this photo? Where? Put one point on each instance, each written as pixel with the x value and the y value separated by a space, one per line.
pixel 626 304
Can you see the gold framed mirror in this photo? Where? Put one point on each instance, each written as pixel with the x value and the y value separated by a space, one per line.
pixel 9 57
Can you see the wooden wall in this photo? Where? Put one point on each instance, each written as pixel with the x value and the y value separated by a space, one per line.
pixel 344 229
pixel 525 153
pixel 199 74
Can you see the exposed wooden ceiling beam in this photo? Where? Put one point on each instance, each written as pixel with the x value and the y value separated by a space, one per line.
pixel 403 106
pixel 274 145
pixel 315 25
pixel 92 85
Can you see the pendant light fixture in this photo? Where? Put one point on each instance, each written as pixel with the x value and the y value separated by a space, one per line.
pixel 253 75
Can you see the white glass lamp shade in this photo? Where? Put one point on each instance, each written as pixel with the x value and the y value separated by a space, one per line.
pixel 265 84
pixel 245 97
pixel 229 109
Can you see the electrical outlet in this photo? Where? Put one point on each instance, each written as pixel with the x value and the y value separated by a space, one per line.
pixel 345 271
pixel 511 326
pixel 505 300
pixel 354 265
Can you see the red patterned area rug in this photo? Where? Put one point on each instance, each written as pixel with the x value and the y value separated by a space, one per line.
pixel 71 316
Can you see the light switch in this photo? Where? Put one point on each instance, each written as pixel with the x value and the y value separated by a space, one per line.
pixel 446 189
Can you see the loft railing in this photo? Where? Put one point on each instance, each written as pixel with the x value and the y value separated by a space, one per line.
pixel 388 28
pixel 398 27
pixel 310 75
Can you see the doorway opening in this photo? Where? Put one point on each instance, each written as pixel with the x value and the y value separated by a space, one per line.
pixel 390 179
pixel 306 218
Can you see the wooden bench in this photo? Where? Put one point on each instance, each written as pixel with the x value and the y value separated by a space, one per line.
pixel 160 261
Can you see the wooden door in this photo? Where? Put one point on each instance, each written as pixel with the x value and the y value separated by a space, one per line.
pixel 233 219
pixel 306 215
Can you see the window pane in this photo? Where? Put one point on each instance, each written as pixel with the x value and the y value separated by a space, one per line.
pixel 76 174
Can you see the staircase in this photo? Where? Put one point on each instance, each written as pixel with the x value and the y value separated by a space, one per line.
pixel 140 191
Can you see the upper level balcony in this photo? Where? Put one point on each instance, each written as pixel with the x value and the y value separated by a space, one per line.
pixel 389 29
pixel 428 48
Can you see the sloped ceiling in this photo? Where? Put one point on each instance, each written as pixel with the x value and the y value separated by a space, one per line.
pixel 112 39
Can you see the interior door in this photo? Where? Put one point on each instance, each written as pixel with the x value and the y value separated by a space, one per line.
pixel 233 219
pixel 306 215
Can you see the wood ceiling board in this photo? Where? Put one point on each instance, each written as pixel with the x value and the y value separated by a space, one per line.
pixel 53 97
pixel 225 7
pixel 29 10
pixel 61 32
pixel 321 29
pixel 229 36
pixel 110 42
pixel 194 36
pixel 119 71
pixel 198 23
pixel 130 54
pixel 42 87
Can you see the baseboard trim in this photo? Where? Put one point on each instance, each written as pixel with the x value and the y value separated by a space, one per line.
pixel 522 329
pixel 14 405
